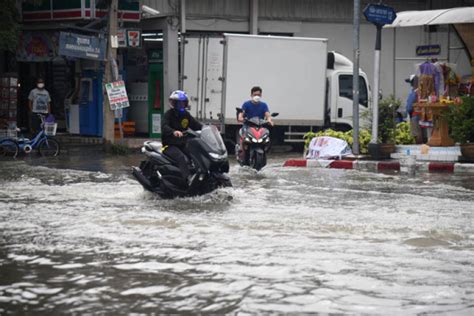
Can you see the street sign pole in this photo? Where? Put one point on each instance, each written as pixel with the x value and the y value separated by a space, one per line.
pixel 379 15
pixel 375 91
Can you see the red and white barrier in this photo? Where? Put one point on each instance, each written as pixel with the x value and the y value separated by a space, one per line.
pixel 375 166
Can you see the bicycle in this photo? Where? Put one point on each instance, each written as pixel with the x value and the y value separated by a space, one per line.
pixel 43 141
pixel 8 144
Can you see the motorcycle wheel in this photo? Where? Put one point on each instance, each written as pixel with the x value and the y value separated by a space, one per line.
pixel 258 161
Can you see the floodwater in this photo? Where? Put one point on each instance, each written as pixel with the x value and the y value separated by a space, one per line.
pixel 79 235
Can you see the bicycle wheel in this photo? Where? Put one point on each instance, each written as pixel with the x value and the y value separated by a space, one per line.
pixel 48 147
pixel 9 147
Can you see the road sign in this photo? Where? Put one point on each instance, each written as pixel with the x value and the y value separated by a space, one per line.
pixel 379 14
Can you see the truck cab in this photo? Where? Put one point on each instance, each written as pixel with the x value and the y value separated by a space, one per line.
pixel 339 92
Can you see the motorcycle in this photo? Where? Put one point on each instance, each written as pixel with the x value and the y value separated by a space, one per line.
pixel 253 142
pixel 207 161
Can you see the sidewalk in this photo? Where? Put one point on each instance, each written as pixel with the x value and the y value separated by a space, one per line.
pixel 405 159
pixel 68 140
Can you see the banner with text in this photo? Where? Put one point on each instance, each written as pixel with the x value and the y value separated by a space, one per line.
pixel 117 94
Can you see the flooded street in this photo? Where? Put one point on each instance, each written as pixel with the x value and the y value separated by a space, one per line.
pixel 79 235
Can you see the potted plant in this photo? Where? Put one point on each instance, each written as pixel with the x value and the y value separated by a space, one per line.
pixel 460 119
pixel 386 129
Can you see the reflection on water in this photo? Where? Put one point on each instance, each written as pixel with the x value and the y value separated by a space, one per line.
pixel 281 241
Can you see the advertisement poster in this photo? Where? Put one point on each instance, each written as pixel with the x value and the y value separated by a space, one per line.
pixel 121 36
pixel 117 94
pixel 37 46
pixel 156 123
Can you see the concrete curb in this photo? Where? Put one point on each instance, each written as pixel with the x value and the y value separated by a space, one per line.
pixel 378 166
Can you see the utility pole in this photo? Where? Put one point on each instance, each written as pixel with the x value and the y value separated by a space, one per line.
pixel 355 79
pixel 109 117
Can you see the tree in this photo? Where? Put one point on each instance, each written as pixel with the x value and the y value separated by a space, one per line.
pixel 9 26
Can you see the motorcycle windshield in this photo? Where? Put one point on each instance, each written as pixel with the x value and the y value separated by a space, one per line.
pixel 211 136
pixel 256 121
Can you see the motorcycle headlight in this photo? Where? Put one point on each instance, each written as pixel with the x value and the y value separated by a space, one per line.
pixel 217 156
pixel 247 139
pixel 260 140
pixel 254 140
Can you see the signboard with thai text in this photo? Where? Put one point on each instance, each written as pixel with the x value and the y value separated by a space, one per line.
pixel 117 94
pixel 379 14
pixel 82 46
pixel 428 50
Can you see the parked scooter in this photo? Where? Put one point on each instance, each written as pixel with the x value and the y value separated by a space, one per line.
pixel 253 142
pixel 208 161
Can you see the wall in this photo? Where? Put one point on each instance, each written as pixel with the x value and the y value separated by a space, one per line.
pixel 328 19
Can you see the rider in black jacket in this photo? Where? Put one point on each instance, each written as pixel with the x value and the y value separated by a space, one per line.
pixel 177 120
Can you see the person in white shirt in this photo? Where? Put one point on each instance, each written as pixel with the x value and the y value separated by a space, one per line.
pixel 39 102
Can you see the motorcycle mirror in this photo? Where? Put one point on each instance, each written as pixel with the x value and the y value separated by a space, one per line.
pixel 275 114
pixel 238 111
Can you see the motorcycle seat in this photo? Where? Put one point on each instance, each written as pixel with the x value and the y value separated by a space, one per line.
pixel 188 159
pixel 154 146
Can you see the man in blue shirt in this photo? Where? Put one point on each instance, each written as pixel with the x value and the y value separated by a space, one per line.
pixel 414 116
pixel 255 107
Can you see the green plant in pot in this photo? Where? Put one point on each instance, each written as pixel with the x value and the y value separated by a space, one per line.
pixel 386 128
pixel 460 119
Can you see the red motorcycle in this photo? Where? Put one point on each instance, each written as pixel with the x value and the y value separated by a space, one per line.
pixel 253 142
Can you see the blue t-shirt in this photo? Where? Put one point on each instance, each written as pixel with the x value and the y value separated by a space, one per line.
pixel 410 100
pixel 253 110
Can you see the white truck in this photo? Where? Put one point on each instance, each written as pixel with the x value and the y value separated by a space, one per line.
pixel 308 86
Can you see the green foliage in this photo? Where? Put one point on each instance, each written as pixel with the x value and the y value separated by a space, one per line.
pixel 9 27
pixel 460 120
pixel 387 112
pixel 403 134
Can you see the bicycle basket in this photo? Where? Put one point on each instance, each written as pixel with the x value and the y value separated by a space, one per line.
pixel 8 133
pixel 50 129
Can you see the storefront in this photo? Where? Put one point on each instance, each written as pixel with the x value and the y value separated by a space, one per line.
pixel 37 57
pixel 145 83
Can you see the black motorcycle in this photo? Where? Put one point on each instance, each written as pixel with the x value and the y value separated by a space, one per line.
pixel 207 160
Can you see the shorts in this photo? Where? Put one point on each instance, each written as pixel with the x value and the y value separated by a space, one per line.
pixel 415 126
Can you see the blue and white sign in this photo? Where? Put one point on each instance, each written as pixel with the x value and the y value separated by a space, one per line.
pixel 428 50
pixel 82 46
pixel 380 14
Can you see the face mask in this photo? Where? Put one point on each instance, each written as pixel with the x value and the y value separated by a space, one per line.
pixel 40 85
pixel 256 98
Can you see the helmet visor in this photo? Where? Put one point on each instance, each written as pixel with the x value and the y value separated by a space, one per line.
pixel 180 104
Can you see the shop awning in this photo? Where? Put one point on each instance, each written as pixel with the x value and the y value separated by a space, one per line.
pixel 462 18
pixel 458 15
